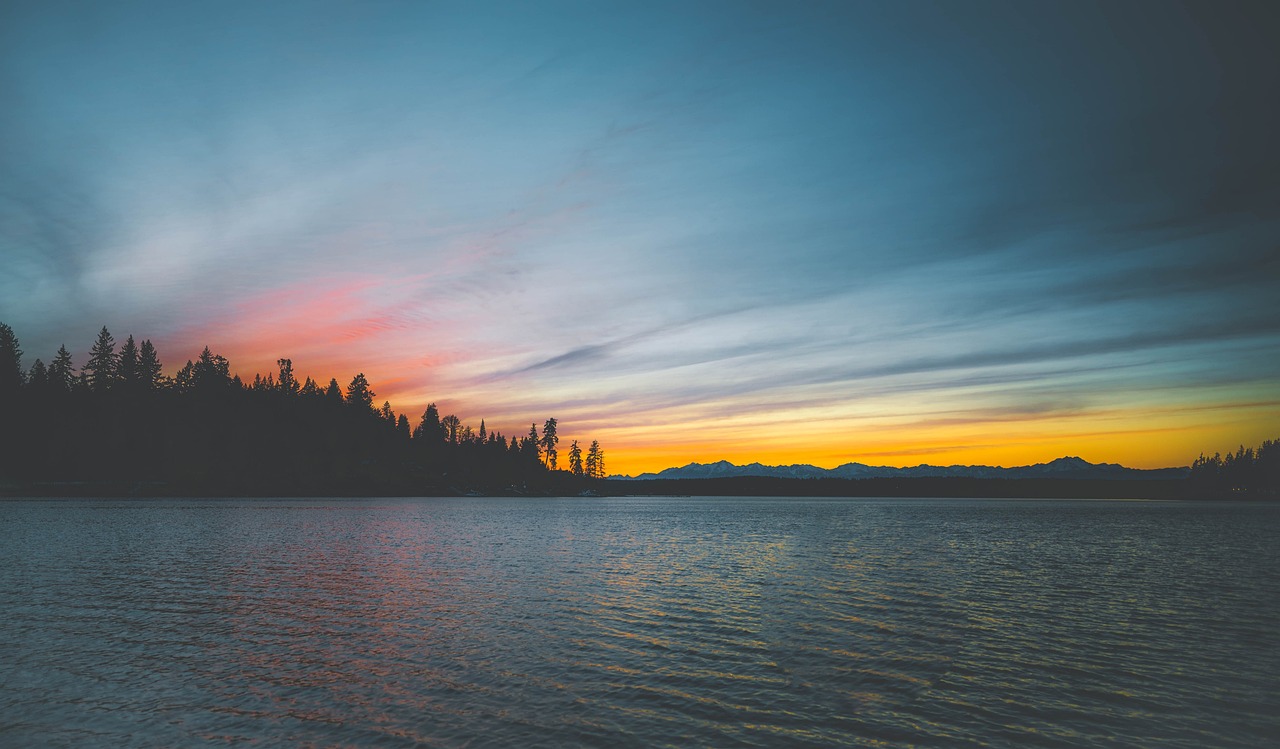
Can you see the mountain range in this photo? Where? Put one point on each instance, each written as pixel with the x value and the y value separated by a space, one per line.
pixel 1062 468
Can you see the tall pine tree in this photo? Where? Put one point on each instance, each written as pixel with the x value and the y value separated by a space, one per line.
pixel 149 370
pixel 62 372
pixel 11 377
pixel 575 459
pixel 100 370
pixel 549 441
pixel 129 364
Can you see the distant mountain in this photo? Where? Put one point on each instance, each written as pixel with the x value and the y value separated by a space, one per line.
pixel 1062 468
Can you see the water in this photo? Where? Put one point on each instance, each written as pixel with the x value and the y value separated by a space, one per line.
pixel 638 622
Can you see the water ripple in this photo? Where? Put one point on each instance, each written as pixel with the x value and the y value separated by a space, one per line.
pixel 646 622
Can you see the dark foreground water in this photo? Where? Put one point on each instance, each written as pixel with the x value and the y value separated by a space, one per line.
pixel 638 622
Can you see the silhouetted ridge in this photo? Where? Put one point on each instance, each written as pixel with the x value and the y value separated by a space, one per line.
pixel 1069 467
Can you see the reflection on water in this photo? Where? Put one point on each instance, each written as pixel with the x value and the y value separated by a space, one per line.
pixel 638 622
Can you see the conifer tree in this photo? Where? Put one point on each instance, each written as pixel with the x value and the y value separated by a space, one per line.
pixel 149 369
pixel 429 428
pixel 62 372
pixel 211 371
pixel 100 370
pixel 184 380
pixel 128 364
pixel 575 459
pixel 38 377
pixel 529 445
pixel 287 383
pixel 595 461
pixel 359 394
pixel 549 441
pixel 11 376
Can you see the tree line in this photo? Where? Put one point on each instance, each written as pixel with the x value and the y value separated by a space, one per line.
pixel 119 418
pixel 1248 469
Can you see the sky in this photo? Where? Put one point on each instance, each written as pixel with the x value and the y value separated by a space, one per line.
pixel 890 233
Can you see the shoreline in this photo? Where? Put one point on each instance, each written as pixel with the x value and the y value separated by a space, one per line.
pixel 941 488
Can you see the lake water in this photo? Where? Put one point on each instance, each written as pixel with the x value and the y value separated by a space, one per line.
pixel 638 622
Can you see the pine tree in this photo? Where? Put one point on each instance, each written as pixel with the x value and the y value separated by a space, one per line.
pixel 11 376
pixel 549 441
pixel 529 445
pixel 359 394
pixel 100 370
pixel 211 371
pixel 575 459
pixel 595 461
pixel 38 377
pixel 429 428
pixel 185 379
pixel 129 364
pixel 149 369
pixel 287 383
pixel 333 392
pixel 62 372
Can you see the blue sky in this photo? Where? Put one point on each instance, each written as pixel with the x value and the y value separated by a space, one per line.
pixel 888 232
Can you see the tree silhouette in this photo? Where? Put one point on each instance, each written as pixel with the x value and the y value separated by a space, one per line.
pixel 429 428
pixel 1245 470
pixel 207 431
pixel 530 445
pixel 359 394
pixel 149 369
pixel 11 377
pixel 549 441
pixel 38 377
pixel 595 461
pixel 129 364
pixel 100 370
pixel 287 383
pixel 452 427
pixel 211 372
pixel 575 459
pixel 62 372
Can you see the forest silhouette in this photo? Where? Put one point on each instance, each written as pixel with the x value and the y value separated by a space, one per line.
pixel 119 424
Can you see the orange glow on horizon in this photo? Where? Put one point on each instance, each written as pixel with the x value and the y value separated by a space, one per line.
pixel 335 328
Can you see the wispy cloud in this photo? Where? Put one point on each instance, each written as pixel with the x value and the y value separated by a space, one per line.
pixel 670 219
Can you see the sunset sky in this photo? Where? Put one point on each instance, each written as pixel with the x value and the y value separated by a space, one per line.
pixel 892 233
